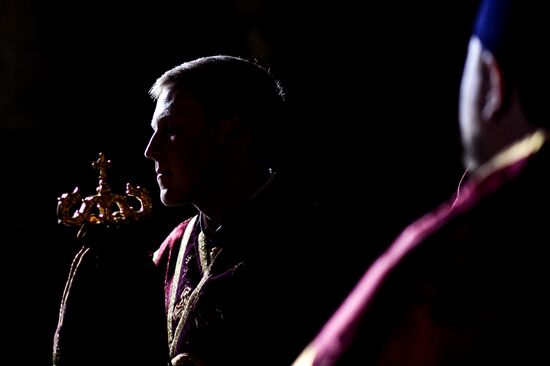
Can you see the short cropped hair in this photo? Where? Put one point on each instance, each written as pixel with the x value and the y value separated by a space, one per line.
pixel 228 85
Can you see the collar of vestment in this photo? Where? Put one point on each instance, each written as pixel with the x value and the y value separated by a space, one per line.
pixel 517 151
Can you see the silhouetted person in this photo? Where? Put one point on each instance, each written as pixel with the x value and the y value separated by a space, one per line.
pixel 260 266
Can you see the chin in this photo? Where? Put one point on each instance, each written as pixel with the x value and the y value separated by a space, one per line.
pixel 170 201
pixel 166 201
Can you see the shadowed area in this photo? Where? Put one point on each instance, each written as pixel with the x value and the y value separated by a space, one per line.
pixel 372 97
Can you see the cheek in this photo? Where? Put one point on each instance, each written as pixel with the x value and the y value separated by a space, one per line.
pixel 189 156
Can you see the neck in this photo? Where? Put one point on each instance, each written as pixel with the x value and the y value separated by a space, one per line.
pixel 232 194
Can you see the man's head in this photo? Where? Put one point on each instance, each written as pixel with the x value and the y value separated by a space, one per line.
pixel 215 116
pixel 505 83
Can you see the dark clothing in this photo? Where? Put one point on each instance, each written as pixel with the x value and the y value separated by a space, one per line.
pixel 260 288
pixel 466 284
pixel 112 311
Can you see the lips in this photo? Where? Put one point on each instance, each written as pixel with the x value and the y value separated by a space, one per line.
pixel 162 178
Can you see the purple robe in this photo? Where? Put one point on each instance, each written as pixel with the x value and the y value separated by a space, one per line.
pixel 258 290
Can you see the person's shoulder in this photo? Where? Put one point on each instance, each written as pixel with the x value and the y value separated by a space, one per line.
pixel 173 239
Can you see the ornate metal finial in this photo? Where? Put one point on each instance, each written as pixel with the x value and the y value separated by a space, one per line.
pixel 102 164
pixel 104 207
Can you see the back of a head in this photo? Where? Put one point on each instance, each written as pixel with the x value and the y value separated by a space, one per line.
pixel 517 32
pixel 232 86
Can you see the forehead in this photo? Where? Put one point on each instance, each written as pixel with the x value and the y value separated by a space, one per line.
pixel 177 102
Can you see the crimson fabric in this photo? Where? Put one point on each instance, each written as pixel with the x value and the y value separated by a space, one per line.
pixel 467 284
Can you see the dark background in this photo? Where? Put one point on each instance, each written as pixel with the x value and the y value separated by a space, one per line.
pixel 373 89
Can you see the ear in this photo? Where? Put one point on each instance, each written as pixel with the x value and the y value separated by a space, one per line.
pixel 492 88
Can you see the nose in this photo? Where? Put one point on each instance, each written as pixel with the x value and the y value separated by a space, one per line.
pixel 151 150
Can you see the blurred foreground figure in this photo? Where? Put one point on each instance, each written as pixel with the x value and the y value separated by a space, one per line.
pixel 468 283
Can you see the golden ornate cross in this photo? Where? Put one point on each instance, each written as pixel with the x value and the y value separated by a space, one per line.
pixel 102 164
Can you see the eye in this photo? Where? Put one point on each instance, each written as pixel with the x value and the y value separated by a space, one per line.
pixel 169 129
